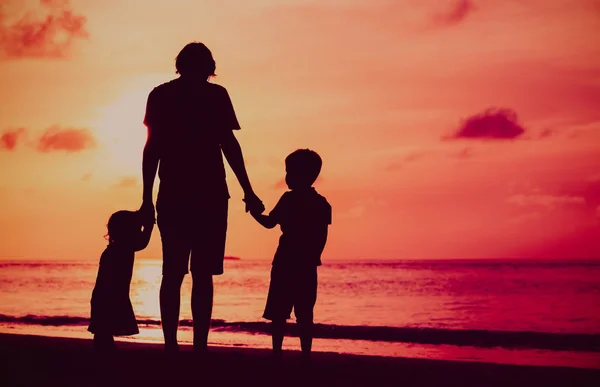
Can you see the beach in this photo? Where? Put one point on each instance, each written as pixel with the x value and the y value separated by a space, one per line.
pixel 47 361
pixel 529 313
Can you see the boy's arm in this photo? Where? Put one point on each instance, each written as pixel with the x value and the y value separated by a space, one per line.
pixel 144 237
pixel 266 221
pixel 274 217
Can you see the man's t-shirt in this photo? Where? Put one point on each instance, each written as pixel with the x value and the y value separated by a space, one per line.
pixel 188 119
pixel 304 217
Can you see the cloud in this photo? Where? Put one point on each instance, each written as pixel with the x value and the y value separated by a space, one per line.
pixel 395 165
pixel 524 218
pixel 67 139
pixel 46 31
pixel 545 200
pixel 458 13
pixel 127 182
pixel 464 153
pixel 10 138
pixel 492 124
pixel 594 178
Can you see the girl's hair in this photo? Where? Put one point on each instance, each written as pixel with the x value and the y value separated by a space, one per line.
pixel 195 58
pixel 121 224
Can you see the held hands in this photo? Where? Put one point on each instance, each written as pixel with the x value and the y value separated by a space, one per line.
pixel 147 212
pixel 253 204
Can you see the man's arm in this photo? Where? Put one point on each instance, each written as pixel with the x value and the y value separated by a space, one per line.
pixel 233 153
pixel 150 161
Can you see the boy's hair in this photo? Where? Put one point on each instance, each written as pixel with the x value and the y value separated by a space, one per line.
pixel 304 163
pixel 120 224
pixel 195 58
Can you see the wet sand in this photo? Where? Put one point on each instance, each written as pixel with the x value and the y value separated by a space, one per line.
pixel 49 361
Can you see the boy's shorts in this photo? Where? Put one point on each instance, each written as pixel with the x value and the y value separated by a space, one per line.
pixel 292 288
pixel 194 238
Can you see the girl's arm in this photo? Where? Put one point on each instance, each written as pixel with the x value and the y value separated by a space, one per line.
pixel 265 220
pixel 144 236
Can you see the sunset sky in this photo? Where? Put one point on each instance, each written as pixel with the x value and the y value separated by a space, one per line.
pixel 448 129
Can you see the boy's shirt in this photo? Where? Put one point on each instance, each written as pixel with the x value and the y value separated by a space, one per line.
pixel 304 217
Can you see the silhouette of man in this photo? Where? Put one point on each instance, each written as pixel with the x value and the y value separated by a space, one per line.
pixel 190 126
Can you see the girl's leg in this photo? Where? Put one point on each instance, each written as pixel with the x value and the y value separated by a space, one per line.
pixel 277 331
pixel 104 342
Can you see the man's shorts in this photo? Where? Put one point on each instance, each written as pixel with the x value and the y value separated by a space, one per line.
pixel 292 288
pixel 193 237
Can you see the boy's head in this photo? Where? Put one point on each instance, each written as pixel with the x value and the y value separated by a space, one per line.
pixel 302 168
pixel 123 226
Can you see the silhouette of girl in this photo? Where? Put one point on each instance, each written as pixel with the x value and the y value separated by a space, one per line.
pixel 111 310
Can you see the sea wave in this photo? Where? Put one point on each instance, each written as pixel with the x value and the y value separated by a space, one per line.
pixel 467 337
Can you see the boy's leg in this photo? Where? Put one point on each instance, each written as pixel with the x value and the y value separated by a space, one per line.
pixel 306 337
pixel 202 303
pixel 279 306
pixel 304 309
pixel 170 293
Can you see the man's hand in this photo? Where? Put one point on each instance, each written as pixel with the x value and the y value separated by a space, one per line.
pixel 253 203
pixel 147 212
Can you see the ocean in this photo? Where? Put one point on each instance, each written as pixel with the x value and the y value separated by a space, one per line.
pixel 505 311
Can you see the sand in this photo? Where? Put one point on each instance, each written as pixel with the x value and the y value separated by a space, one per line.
pixel 49 361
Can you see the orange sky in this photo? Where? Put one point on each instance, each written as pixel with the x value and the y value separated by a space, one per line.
pixel 383 90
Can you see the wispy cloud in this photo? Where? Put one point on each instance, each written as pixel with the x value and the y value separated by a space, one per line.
pixel 45 31
pixel 65 139
pixel 459 11
pixel 492 124
pixel 10 138
pixel 545 200
pixel 52 139
pixel 127 182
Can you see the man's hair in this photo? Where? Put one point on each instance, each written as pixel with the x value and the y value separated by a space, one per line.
pixel 305 163
pixel 195 58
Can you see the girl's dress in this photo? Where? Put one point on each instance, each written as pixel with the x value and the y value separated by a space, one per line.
pixel 112 312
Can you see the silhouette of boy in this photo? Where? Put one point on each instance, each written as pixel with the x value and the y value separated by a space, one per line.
pixel 304 217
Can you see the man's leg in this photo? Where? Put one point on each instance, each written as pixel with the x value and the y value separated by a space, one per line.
pixel 202 303
pixel 170 293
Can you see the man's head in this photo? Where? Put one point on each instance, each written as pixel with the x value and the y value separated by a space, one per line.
pixel 302 168
pixel 195 59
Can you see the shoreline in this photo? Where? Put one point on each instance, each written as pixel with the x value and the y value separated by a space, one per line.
pixel 37 360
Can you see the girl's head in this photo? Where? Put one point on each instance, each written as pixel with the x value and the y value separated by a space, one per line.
pixel 195 59
pixel 123 227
